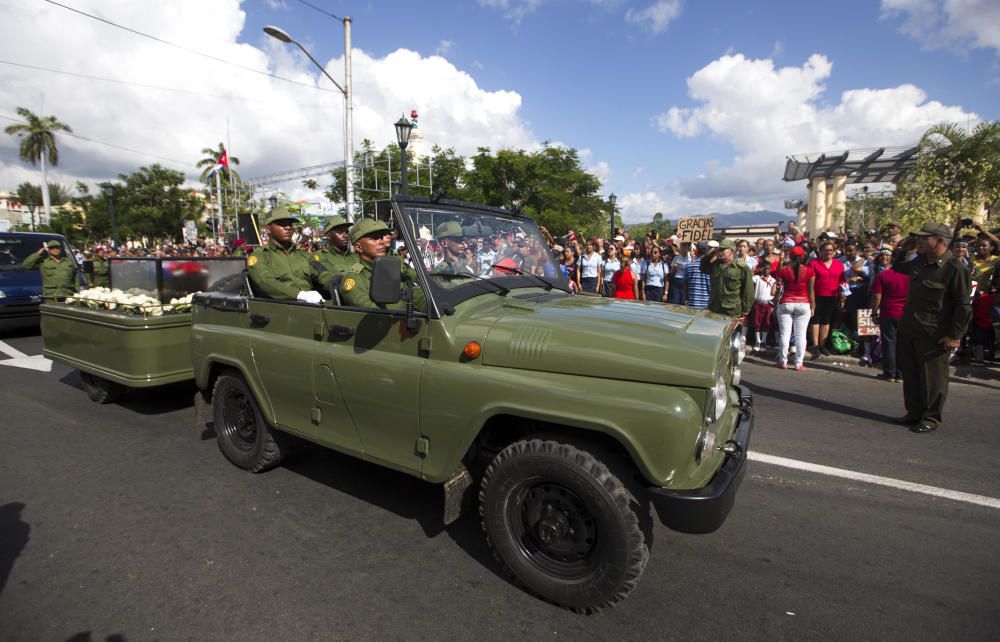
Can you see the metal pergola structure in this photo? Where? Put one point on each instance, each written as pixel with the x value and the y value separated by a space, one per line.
pixel 881 165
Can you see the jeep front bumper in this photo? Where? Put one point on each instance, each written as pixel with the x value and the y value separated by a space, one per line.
pixel 702 510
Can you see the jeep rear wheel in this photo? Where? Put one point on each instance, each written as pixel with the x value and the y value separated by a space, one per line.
pixel 562 524
pixel 244 436
pixel 99 389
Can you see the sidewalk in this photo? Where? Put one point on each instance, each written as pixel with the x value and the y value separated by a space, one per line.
pixel 987 376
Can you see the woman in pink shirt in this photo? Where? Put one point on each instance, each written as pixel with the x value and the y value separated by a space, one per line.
pixel 888 298
pixel 829 275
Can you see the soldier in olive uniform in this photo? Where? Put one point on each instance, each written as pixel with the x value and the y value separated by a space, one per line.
pixel 451 238
pixel 937 312
pixel 732 289
pixel 279 270
pixel 336 257
pixel 101 274
pixel 368 238
pixel 59 278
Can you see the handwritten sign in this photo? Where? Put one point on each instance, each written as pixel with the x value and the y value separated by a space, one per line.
pixel 695 229
pixel 867 327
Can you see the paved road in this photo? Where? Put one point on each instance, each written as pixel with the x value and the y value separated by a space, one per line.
pixel 125 522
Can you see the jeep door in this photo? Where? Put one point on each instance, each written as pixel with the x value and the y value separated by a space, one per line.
pixel 377 364
pixel 287 340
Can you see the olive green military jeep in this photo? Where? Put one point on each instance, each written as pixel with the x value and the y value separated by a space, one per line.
pixel 570 414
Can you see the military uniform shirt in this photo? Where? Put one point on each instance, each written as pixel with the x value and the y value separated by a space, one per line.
pixel 938 302
pixel 335 261
pixel 58 277
pixel 277 274
pixel 356 287
pixel 102 274
pixel 732 289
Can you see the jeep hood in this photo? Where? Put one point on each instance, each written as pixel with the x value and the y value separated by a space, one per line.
pixel 609 338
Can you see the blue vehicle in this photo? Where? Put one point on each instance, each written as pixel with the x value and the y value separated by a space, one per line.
pixel 21 289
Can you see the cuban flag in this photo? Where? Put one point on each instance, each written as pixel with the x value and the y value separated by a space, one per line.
pixel 223 163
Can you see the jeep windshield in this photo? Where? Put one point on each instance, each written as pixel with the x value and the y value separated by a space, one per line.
pixel 14 250
pixel 460 247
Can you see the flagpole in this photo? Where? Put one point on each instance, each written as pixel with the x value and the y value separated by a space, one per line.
pixel 218 192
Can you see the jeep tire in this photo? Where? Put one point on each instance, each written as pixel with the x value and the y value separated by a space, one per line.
pixel 244 436
pixel 562 524
pixel 99 389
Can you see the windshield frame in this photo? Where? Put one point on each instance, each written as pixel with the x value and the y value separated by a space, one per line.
pixel 445 299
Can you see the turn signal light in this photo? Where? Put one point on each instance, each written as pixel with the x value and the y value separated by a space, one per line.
pixel 472 349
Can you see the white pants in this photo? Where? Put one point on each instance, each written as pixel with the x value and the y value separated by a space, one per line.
pixel 793 318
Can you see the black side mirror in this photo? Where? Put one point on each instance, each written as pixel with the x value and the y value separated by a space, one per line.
pixel 386 285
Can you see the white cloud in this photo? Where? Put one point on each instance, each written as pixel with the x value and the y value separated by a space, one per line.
pixel 601 170
pixel 443 47
pixel 639 207
pixel 514 10
pixel 959 24
pixel 656 17
pixel 767 113
pixel 274 126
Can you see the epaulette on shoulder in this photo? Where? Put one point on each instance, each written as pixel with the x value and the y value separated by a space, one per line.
pixel 356 268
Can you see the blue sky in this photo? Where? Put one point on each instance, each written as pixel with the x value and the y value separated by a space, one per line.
pixel 692 114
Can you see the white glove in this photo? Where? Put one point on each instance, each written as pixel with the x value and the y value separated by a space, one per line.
pixel 310 296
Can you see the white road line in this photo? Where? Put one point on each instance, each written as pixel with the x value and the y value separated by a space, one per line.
pixel 958 496
pixel 11 351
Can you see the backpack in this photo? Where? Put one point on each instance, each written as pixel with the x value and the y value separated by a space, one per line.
pixel 841 343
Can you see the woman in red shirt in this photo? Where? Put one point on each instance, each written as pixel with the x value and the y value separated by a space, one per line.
pixel 626 285
pixel 829 275
pixel 796 303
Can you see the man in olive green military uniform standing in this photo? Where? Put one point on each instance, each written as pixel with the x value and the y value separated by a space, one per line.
pixel 937 312
pixel 59 279
pixel 451 238
pixel 336 257
pixel 101 275
pixel 368 238
pixel 732 289
pixel 279 270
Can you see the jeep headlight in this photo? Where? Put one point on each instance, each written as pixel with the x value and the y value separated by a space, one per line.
pixel 720 398
pixel 739 346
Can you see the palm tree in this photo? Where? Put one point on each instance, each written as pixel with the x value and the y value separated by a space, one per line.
pixel 975 154
pixel 38 140
pixel 211 159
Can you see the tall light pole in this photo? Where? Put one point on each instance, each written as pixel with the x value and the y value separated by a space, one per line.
pixel 282 35
pixel 403 129
pixel 612 199
pixel 109 189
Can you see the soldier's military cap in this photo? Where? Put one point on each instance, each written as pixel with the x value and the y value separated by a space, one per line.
pixel 451 229
pixel 335 222
pixel 365 227
pixel 727 245
pixel 280 213
pixel 934 229
pixel 53 243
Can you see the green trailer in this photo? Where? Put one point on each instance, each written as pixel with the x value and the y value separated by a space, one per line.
pixel 115 350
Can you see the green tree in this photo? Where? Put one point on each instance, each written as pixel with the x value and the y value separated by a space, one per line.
pixel 151 204
pixel 38 142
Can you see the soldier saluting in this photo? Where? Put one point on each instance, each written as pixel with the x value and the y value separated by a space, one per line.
pixel 279 270
pixel 937 312
pixel 732 291
pixel 59 278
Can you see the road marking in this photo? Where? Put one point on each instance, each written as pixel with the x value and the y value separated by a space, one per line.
pixel 980 500
pixel 20 360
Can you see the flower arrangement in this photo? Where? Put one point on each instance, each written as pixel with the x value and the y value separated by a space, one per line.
pixel 132 301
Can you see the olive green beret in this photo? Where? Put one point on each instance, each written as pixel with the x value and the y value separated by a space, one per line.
pixel 335 222
pixel 934 229
pixel 280 213
pixel 727 245
pixel 365 227
pixel 451 229
pixel 53 243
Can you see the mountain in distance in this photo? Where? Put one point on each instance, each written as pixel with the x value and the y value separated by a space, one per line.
pixel 760 217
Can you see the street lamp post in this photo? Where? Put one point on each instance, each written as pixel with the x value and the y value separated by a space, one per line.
pixel 612 199
pixel 403 129
pixel 273 200
pixel 31 212
pixel 282 35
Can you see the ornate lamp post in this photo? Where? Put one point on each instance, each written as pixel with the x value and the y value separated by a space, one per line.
pixel 612 199
pixel 403 129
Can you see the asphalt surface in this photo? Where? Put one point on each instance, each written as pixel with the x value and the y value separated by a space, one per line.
pixel 124 522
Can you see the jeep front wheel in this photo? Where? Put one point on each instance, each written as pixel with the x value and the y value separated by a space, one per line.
pixel 244 436
pixel 562 524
